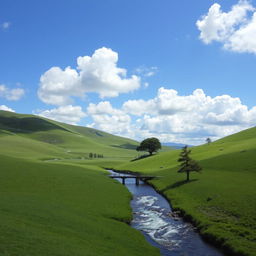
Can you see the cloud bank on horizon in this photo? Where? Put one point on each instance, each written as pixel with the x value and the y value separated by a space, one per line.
pixel 5 108
pixel 173 117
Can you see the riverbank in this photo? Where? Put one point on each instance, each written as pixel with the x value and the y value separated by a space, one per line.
pixel 153 215
pixel 191 211
pixel 211 239
pixel 221 200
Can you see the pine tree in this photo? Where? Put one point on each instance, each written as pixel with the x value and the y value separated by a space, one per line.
pixel 187 164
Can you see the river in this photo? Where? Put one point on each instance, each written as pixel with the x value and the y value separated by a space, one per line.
pixel 173 236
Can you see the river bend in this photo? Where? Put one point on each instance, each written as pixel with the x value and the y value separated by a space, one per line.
pixel 152 216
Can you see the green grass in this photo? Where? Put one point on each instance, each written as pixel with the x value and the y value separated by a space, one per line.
pixel 222 199
pixel 55 201
pixel 63 209
pixel 60 140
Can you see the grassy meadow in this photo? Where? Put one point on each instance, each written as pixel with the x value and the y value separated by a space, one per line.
pixel 221 200
pixel 57 201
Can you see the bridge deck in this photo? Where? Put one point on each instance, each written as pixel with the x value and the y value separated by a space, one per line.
pixel 137 178
pixel 133 177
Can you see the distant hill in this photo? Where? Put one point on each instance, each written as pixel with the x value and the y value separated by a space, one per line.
pixel 175 145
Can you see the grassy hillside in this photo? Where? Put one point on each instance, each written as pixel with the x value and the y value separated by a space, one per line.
pixel 63 208
pixel 222 199
pixel 60 140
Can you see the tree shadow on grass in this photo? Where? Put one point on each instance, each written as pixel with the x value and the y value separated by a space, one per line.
pixel 142 157
pixel 178 184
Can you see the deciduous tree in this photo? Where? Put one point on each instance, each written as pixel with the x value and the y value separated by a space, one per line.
pixel 208 140
pixel 150 145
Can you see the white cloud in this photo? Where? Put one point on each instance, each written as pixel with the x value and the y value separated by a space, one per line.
pixel 167 102
pixel 244 39
pixel 139 107
pixel 11 94
pixel 5 108
pixel 98 73
pixel 109 119
pixel 104 107
pixel 146 71
pixel 67 114
pixel 173 117
pixel 235 29
pixel 5 25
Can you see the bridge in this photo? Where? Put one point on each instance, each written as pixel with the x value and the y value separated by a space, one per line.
pixel 137 178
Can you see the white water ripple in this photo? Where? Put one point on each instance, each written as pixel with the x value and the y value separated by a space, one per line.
pixel 152 220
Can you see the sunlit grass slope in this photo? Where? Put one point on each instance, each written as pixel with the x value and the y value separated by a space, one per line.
pixel 34 134
pixel 222 199
pixel 65 207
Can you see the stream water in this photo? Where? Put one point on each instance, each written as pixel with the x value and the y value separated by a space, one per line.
pixel 151 215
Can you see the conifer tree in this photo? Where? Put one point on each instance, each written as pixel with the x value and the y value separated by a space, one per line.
pixel 186 163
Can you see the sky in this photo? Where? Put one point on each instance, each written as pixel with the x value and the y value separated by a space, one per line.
pixel 181 71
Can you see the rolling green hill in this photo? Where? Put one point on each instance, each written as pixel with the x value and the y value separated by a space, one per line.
pixel 221 200
pixel 51 139
pixel 65 207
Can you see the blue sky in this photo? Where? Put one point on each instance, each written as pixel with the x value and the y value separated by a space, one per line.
pixel 169 49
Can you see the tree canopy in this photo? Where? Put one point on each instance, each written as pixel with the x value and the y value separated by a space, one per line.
pixel 187 163
pixel 208 140
pixel 150 145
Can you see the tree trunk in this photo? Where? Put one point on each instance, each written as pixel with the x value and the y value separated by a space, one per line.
pixel 187 176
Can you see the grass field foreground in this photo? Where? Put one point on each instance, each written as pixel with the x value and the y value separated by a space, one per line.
pixel 64 209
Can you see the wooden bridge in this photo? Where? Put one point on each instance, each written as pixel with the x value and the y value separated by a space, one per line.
pixel 137 178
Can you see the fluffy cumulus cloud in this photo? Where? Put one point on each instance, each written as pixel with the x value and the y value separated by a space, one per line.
pixel 109 119
pixel 173 117
pixel 67 114
pixel 235 29
pixel 11 94
pixel 98 73
pixel 5 108
pixel 139 107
